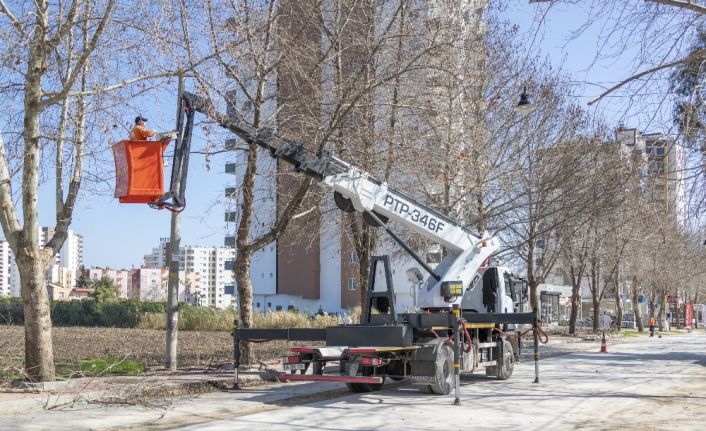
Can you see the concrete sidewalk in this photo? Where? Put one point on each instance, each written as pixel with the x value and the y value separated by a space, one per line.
pixel 124 390
pixel 150 388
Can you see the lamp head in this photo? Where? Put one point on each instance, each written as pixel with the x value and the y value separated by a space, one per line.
pixel 524 106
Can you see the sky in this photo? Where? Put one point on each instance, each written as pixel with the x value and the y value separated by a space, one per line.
pixel 118 235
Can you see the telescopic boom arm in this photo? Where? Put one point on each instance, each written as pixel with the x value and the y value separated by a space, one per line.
pixel 355 190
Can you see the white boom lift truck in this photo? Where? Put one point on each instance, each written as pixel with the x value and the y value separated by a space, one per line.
pixel 468 312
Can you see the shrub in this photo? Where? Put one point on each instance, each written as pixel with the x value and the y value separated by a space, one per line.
pixel 152 315
pixel 75 313
pixel 11 311
pixel 123 314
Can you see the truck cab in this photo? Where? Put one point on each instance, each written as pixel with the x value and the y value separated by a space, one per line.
pixel 495 290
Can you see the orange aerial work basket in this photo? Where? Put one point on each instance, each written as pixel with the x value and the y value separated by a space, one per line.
pixel 139 171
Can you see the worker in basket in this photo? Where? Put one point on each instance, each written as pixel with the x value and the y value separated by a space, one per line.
pixel 142 133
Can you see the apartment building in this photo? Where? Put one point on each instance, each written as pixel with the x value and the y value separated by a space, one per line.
pixel 213 281
pixel 61 273
pixel 121 277
pixel 663 169
pixel 151 284
pixel 5 268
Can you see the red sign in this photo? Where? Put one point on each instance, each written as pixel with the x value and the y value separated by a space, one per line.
pixel 672 299
pixel 689 314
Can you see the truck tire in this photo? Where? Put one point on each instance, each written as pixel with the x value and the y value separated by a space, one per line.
pixel 363 387
pixel 508 362
pixel 444 369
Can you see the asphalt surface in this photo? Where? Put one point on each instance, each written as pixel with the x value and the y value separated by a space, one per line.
pixel 644 383
pixel 649 384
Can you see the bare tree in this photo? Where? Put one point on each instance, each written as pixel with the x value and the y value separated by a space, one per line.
pixel 55 80
pixel 309 70
pixel 661 36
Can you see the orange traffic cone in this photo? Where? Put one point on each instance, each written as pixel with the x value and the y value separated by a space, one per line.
pixel 604 346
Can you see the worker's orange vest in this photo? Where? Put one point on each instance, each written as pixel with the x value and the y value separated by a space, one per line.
pixel 652 321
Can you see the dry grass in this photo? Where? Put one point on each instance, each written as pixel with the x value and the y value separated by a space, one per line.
pixel 284 319
pixel 218 320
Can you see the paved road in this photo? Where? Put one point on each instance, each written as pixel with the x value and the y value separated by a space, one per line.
pixel 645 384
pixel 652 384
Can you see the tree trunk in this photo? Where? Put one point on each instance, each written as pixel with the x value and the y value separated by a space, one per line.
pixel 677 309
pixel 575 299
pixel 636 306
pixel 618 306
pixel 595 294
pixel 531 281
pixel 651 307
pixel 243 261
pixel 243 258
pixel 363 273
pixel 660 312
pixel 39 355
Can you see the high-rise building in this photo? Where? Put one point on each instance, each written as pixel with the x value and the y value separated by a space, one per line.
pixel 314 264
pixel 216 285
pixel 5 268
pixel 122 278
pixel 62 270
pixel 71 253
pixel 663 170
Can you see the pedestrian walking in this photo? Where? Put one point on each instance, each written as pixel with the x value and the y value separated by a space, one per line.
pixel 651 324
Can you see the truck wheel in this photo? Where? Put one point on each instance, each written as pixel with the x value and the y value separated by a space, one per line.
pixel 444 369
pixel 504 370
pixel 360 388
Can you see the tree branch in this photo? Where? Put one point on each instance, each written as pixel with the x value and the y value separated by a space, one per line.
pixel 694 55
pixel 15 23
pixel 87 51
pixel 8 214
pixel 66 26
pixel 285 218
pixel 682 5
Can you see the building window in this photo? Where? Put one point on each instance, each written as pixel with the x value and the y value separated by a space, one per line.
pixel 352 257
pixel 352 284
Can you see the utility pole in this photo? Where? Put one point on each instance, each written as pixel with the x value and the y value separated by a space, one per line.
pixel 173 260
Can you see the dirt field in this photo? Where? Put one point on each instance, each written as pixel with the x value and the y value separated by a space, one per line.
pixel 74 343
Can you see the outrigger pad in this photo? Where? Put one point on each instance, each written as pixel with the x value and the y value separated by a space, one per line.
pixel 139 170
